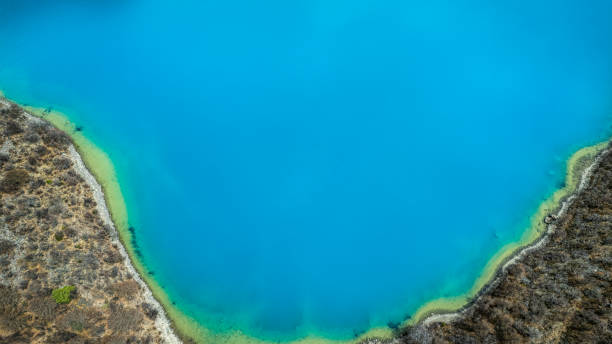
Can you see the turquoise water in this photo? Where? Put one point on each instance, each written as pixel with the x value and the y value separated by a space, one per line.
pixel 297 167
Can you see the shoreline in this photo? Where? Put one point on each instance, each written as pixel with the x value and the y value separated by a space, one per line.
pixel 177 326
pixel 163 322
pixel 186 329
pixel 577 178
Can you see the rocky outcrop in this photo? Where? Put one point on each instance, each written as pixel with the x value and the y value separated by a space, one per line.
pixel 560 292
pixel 63 275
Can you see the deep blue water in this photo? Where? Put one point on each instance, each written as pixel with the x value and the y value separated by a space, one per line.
pixel 298 167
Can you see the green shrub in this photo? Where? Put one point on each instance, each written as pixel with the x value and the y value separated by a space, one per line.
pixel 63 295
pixel 59 236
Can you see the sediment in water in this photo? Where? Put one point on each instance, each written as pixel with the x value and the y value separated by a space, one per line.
pixel 555 290
pixel 579 167
pixel 441 309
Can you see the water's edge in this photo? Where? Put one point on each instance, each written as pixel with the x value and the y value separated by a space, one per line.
pixel 98 163
pixel 580 167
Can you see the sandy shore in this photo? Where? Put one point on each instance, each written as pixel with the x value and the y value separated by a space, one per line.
pixel 162 322
pixel 164 325
pixel 444 316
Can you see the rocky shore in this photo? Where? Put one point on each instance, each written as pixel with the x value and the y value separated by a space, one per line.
pixel 559 290
pixel 64 276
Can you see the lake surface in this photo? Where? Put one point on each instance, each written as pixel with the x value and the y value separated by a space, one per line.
pixel 320 167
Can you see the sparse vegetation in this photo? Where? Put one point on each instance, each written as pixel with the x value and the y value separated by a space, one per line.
pixel 14 180
pixel 6 247
pixel 54 137
pixel 11 315
pixel 57 206
pixel 559 292
pixel 112 257
pixel 126 289
pixel 79 319
pixel 41 150
pixel 71 178
pixel 12 111
pixel 123 320
pixel 70 232
pixel 13 128
pixel 62 163
pixel 44 308
pixel 43 202
pixel 31 137
pixel 149 311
